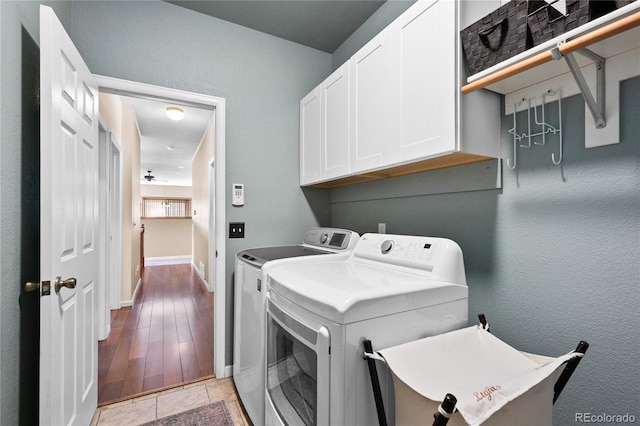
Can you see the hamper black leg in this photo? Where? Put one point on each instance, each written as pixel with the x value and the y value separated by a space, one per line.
pixel 568 370
pixel 483 321
pixel 375 383
pixel 448 406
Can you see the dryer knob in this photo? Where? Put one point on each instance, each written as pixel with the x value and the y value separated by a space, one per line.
pixel 324 238
pixel 386 247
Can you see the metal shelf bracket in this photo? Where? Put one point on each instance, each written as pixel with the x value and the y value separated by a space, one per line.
pixel 596 106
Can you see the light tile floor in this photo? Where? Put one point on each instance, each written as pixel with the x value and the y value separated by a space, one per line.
pixel 176 400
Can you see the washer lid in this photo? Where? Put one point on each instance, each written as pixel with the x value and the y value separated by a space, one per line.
pixel 348 291
pixel 259 256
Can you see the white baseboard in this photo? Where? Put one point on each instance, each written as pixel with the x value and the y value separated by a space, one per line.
pixel 106 336
pixel 207 286
pixel 200 273
pixel 228 371
pixel 167 260
pixel 126 303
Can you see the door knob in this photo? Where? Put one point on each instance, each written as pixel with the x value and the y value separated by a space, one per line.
pixel 68 283
pixel 31 287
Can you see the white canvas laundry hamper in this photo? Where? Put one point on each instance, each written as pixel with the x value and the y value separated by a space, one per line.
pixel 470 377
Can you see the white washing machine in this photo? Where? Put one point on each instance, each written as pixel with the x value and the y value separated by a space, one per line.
pixel 250 311
pixel 392 289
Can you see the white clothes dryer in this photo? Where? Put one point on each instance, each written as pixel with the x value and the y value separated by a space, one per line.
pixel 250 311
pixel 392 289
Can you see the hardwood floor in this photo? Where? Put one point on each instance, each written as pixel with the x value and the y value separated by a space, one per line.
pixel 163 340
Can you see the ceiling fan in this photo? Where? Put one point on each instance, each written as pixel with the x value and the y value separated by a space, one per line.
pixel 149 177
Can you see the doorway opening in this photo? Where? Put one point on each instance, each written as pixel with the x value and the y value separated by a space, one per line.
pixel 215 218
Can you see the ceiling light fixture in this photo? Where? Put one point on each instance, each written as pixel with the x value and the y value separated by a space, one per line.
pixel 175 113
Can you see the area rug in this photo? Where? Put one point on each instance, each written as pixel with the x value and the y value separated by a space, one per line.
pixel 214 414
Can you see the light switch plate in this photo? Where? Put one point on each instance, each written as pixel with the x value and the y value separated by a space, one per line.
pixel 236 229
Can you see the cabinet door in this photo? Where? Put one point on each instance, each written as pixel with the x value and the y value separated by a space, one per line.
pixel 310 137
pixel 424 80
pixel 335 97
pixel 370 94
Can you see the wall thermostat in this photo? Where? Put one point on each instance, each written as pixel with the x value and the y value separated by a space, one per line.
pixel 237 198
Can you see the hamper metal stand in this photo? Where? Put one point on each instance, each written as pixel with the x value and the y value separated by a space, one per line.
pixel 448 405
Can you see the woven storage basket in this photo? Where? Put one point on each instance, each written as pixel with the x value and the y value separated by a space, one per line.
pixel 621 3
pixel 496 37
pixel 545 22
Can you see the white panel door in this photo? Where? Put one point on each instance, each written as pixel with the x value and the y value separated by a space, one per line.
pixel 424 79
pixel 370 88
pixel 335 104
pixel 69 228
pixel 311 137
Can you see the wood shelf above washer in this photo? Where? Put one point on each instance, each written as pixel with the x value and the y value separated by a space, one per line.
pixel 450 160
pixel 607 36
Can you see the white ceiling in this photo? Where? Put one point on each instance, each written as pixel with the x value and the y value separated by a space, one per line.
pixel 158 133
pixel 321 24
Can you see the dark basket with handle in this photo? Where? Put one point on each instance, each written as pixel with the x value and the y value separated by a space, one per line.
pixel 545 22
pixel 498 36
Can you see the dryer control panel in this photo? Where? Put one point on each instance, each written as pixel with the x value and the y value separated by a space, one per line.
pixel 440 257
pixel 337 239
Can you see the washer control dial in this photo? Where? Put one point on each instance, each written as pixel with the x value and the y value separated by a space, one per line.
pixel 323 238
pixel 386 247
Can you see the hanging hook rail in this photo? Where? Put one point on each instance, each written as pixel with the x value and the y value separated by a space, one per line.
pixel 540 122
pixel 527 135
pixel 553 157
pixel 516 139
pixel 546 128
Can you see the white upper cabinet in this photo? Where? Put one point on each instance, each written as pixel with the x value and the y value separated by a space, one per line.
pixel 424 81
pixel 371 134
pixel 336 112
pixel 399 96
pixel 310 137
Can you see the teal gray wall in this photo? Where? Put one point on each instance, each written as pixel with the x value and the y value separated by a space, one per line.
pixel 262 79
pixel 552 258
pixel 382 17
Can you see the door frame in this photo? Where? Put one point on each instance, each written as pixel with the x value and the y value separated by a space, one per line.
pixel 114 249
pixel 110 168
pixel 102 308
pixel 212 246
pixel 127 87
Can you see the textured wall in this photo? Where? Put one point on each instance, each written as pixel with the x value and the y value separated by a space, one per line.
pixel 262 79
pixel 385 15
pixel 552 258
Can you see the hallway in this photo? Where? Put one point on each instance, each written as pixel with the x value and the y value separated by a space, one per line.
pixel 164 339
